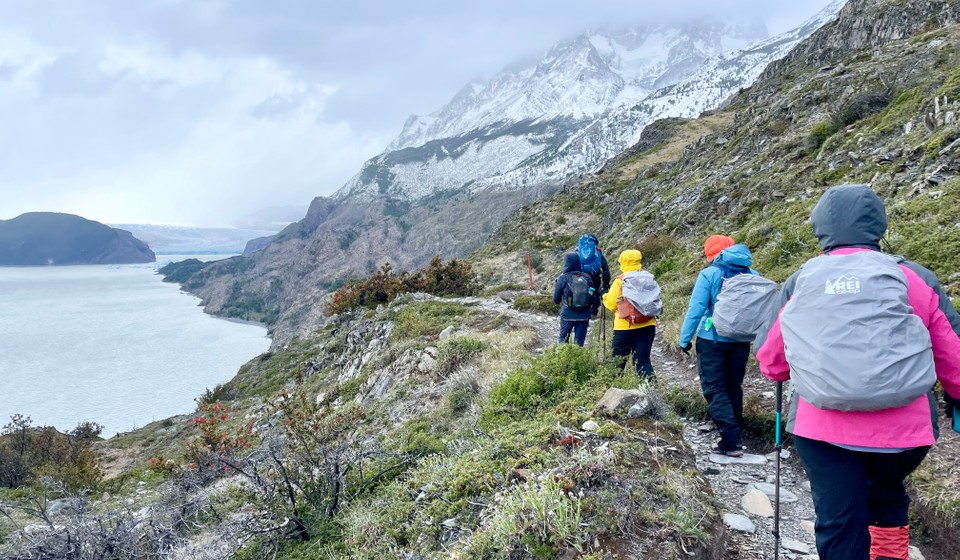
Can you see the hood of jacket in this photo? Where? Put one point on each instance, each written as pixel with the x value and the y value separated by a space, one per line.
pixel 571 262
pixel 630 260
pixel 738 255
pixel 849 215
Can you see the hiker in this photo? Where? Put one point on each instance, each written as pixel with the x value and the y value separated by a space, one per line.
pixel 574 291
pixel 630 339
pixel 866 337
pixel 594 263
pixel 722 361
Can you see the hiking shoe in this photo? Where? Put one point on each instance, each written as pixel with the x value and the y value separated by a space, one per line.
pixel 730 453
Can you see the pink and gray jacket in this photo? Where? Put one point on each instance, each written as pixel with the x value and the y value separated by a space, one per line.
pixel 849 219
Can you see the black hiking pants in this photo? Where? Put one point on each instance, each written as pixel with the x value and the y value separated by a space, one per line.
pixel 853 490
pixel 722 367
pixel 635 342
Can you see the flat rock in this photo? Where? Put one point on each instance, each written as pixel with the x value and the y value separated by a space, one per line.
pixel 805 485
pixel 616 402
pixel 808 527
pixel 747 459
pixel 739 522
pixel 445 333
pixel 795 546
pixel 756 502
pixel 590 426
pixel 784 454
pixel 915 553
pixel 786 496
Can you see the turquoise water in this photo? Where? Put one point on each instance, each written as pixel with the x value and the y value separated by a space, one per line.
pixel 110 344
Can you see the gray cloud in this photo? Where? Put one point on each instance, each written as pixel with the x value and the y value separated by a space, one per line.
pixel 200 111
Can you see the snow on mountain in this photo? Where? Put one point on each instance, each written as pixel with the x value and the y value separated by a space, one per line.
pixel 586 100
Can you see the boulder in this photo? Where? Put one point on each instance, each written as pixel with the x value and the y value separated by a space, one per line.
pixel 616 402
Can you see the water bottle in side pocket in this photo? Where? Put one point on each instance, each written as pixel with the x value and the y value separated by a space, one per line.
pixel 956 418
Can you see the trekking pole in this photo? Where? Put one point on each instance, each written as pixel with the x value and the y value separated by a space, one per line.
pixel 603 332
pixel 776 493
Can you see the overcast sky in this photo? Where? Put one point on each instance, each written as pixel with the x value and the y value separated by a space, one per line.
pixel 198 112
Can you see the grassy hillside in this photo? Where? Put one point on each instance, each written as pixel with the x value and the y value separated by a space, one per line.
pixel 432 428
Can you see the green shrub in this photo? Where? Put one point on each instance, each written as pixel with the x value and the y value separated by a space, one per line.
pixel 427 318
pixel 819 134
pixel 664 266
pixel 539 303
pixel 527 388
pixel 456 352
pixel 654 246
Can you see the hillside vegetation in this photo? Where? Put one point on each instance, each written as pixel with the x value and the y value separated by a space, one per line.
pixel 420 427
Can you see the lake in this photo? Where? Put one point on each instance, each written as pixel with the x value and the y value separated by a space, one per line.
pixel 111 344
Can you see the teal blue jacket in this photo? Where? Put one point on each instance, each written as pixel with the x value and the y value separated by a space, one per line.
pixel 705 291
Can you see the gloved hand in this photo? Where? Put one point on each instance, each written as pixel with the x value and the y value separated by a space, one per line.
pixel 686 348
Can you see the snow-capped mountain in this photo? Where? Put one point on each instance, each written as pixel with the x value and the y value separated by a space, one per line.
pixel 584 101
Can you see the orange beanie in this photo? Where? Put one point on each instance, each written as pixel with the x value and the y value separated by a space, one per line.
pixel 716 243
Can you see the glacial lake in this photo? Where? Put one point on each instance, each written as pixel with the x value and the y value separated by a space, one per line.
pixel 111 344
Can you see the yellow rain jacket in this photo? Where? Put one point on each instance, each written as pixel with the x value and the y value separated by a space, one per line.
pixel 630 261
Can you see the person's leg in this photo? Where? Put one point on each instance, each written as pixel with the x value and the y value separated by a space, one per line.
pixel 565 328
pixel 737 354
pixel 642 343
pixel 580 331
pixel 888 501
pixel 621 347
pixel 711 360
pixel 838 482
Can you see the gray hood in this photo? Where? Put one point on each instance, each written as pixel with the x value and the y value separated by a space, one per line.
pixel 849 215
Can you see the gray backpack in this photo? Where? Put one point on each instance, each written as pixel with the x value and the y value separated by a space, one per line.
pixel 851 337
pixel 643 292
pixel 745 305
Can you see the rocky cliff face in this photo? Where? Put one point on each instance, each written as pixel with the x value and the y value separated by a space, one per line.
pixel 48 238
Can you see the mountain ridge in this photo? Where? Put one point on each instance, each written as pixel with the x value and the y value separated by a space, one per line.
pixel 54 238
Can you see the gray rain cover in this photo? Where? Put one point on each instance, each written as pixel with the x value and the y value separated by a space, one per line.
pixel 642 290
pixel 745 305
pixel 851 337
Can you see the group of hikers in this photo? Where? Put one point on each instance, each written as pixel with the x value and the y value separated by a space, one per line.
pixel 862 335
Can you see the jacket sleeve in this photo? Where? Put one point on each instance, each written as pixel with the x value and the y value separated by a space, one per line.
pixel 558 288
pixel 771 353
pixel 610 298
pixel 943 323
pixel 699 303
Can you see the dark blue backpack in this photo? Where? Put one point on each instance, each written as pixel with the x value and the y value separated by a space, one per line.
pixel 579 294
pixel 589 254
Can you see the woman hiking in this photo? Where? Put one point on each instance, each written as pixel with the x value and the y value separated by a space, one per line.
pixel 863 336
pixel 722 361
pixel 630 339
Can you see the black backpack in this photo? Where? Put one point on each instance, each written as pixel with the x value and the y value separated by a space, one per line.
pixel 578 294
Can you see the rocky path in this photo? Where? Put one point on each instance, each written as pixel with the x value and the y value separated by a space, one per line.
pixel 743 486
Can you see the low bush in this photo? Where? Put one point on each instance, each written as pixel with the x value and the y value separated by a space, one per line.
pixel 29 453
pixel 819 134
pixel 527 388
pixel 456 352
pixel 456 278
